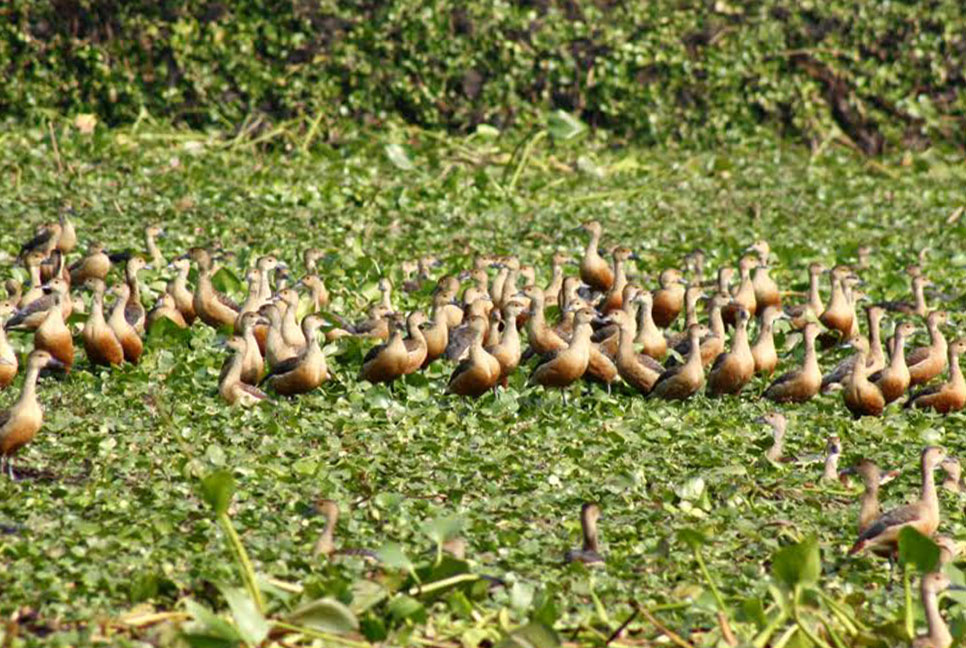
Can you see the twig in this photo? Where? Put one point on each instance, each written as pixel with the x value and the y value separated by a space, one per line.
pixel 667 632
pixel 53 140
pixel 616 633
pixel 726 632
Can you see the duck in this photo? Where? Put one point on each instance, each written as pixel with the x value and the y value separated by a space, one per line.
pixel 151 234
pixel 712 344
pixel 277 350
pixel 563 367
pixel 669 299
pixel 869 502
pixel 949 396
pixel 861 397
pixel 288 301
pixel 253 364
pixel 614 298
pixel 763 350
pixel 918 305
pixel 542 338
pixel 307 370
pixel 437 336
pixel 926 363
pixel 634 369
pixel 253 300
pixel 9 364
pixel 684 380
pixel 875 359
pixel 35 287
pixel 766 290
pixel 126 334
pixel 311 258
pixel 893 380
pixel 802 314
pixel 954 475
pixel 100 343
pixel 134 310
pixel 594 271
pixel 230 385
pixel 31 316
pixel 213 308
pixel 415 342
pixel 386 362
pixel 744 296
pixel 461 337
pixel 178 289
pixel 863 254
pixel 779 426
pixel 938 635
pixel 318 293
pixel 691 297
pixel 694 262
pixel 507 352
pixel 589 553
pixel 374 327
pixel 731 371
pixel 45 240
pixel 95 264
pixel 54 266
pixel 802 384
pixel 552 292
pixel 444 299
pixel 67 240
pixel 165 309
pixel 20 423
pixel 922 515
pixel 479 372
pixel 648 335
pixel 839 315
pixel 833 453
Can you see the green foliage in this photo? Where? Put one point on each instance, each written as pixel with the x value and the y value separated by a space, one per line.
pixel 917 552
pixel 660 71
pixel 798 564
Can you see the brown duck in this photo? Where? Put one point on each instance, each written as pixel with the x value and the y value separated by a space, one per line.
pixel 925 363
pixel 100 342
pixel 893 380
pixel 731 371
pixel 801 384
pixel 951 395
pixel 684 380
pixel 20 423
pixel 478 373
pixel 594 270
pixel 862 397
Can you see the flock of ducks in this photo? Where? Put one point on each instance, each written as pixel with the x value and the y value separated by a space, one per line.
pixel 608 330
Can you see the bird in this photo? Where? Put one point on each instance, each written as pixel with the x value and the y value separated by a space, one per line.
pixel 954 471
pixel 589 553
pixel 640 371
pixel 230 385
pixel 95 264
pixel 563 367
pixel 151 234
pixel 766 290
pixel 21 422
pixel 918 304
pixel 731 371
pixel 949 396
pixel 388 361
pixel 178 289
pixel 594 271
pixel 53 335
pixel 507 351
pixel 165 309
pixel 212 307
pixel 779 426
pixel 925 363
pixel 684 380
pixel 799 385
pixel 875 359
pixel 802 314
pixel 304 372
pixel 415 342
pixel 763 350
pixel 839 315
pixel 938 635
pixel 861 397
pixel 100 343
pixel 479 372
pixel 648 336
pixel 893 380
pixel 134 310
pixel 668 300
pixel 126 334
pixel 922 515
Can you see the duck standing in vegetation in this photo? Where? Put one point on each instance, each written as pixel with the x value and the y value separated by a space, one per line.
pixel 20 423
pixel 589 553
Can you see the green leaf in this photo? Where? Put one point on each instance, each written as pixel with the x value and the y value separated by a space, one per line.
pixel 217 489
pixel 442 529
pixel 564 126
pixel 916 551
pixel 532 635
pixel 692 537
pixel 404 607
pixel 487 131
pixel 393 556
pixel 325 614
pixel 251 624
pixel 398 156
pixel 798 564
pixel 521 596
pixel 226 281
pixel 207 624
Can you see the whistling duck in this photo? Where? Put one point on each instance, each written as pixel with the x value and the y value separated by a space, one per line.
pixel 802 314
pixel 507 351
pixel 96 264
pixel 478 373
pixel 639 373
pixel 478 289
pixel 875 359
pixel 385 289
pixel 253 364
pixel 732 371
pixel 918 305
pixel 607 335
pixel 178 289
pixel 14 291
pixel 953 481
pixel 925 363
pixel 863 253
pixel 779 426
pixel 230 385
pixel 67 240
pixel 528 275
pixel 307 370
pixel 712 344
pixel 691 297
pixel 600 367
pixel 861 397
pixel 126 334
pixel 893 380
pixel 594 271
pixel 589 554
pixel 165 309
pixel 669 298
pixel 325 545
pixel 318 293
pixel 311 257
pixel 552 292
pixel 839 315
pixel 437 336
pixel 45 241
pixel 694 261
pixel 35 313
pixel 744 296
pixel 496 289
pixel 570 303
pixel 8 357
pixel 444 299
pixel 291 331
pixel 388 361
pixel 938 635
pixel 134 311
pixel 542 338
pixel 265 266
pixel 415 342
pixel 422 269
pixel 922 515
pixel 54 266
pixel 563 367
pixel 151 234
pixel 276 349
pixel 684 380
pixel 214 309
pixel 461 337
pixel 253 299
pixel 35 287
pixel 951 395
pixel 801 384
pixel 100 342
pixel 53 335
pixel 20 423
pixel 648 336
pixel 614 298
pixel 763 350
pixel 833 453
pixel 766 290
pixel 725 275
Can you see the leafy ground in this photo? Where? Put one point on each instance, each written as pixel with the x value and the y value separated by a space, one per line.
pixel 114 519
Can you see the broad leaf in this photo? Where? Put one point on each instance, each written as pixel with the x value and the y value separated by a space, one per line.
pixel 797 564
pixel 325 614
pixel 217 489
pixel 916 551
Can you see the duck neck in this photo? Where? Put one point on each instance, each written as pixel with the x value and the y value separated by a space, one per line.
pixel 537 319
pixel 837 300
pixel 590 535
pixel 694 353
pixel 717 323
pixel 235 368
pixel 35 279
pixel 919 295
pixel 415 333
pixel 29 392
pixel 939 634
pixel 581 337
pixel 645 322
pixel 899 351
pixel 859 370
pixel 814 297
pixel 875 338
pixel 929 497
pixel 740 342
pixel 625 342
pixel 153 249
pixel 620 278
pixel 117 311
pixel 132 282
pixel 593 243
pixel 955 372
pixel 690 312
pixel 97 309
pixel 831 471
pixel 810 362
pixel 511 334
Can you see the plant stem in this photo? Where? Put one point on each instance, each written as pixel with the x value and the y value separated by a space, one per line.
pixel 907 587
pixel 801 625
pixel 440 584
pixel 245 564
pixel 318 634
pixel 711 585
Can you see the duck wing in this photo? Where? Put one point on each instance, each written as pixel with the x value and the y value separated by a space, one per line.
pixel 34 307
pixel 373 352
pixel 887 522
pixel 917 355
pixel 283 367
pixel 459 341
pixel 927 391
pixel 41 238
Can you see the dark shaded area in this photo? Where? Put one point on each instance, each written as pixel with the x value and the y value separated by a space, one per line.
pixel 884 74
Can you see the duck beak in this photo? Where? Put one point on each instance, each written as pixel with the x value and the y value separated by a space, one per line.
pixel 848 471
pixel 54 363
pixel 759 419
pixel 634 256
pixel 149 267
